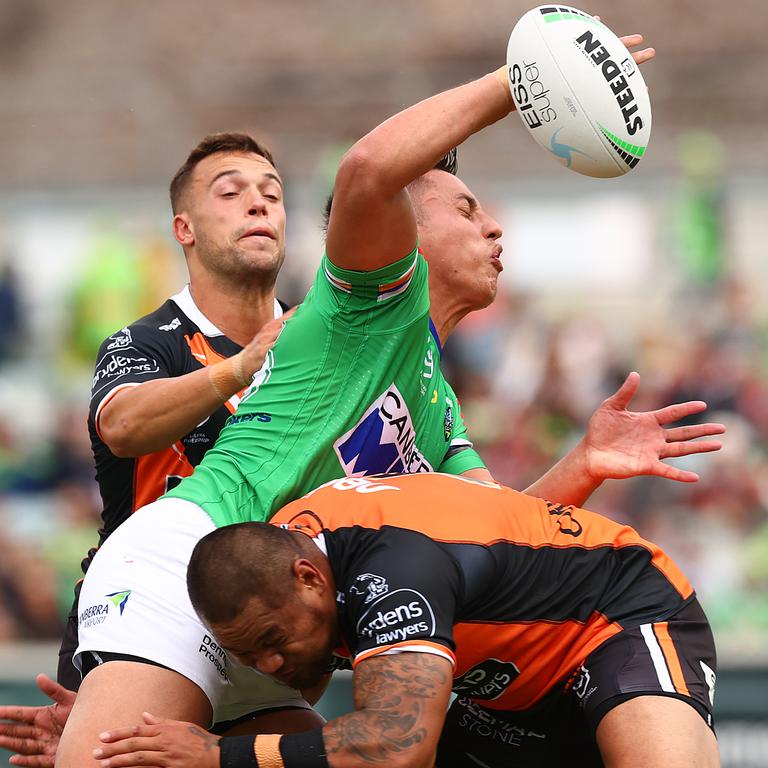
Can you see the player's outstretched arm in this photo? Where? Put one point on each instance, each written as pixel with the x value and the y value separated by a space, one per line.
pixel 372 222
pixel 620 443
pixel 33 732
pixel 400 703
pixel 153 416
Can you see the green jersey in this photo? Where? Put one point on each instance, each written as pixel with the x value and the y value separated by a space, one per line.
pixel 352 387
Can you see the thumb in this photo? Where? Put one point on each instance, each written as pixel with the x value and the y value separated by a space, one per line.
pixel 621 397
pixel 54 690
pixel 150 719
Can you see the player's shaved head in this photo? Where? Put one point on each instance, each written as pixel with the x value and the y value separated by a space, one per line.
pixel 231 142
pixel 234 563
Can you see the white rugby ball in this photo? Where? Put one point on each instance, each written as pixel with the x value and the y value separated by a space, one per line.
pixel 578 91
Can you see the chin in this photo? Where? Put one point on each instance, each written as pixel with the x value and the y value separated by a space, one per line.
pixel 306 679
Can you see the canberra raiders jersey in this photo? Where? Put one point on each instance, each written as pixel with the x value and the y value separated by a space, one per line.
pixel 352 387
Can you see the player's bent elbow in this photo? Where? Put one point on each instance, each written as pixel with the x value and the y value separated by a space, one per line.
pixel 359 174
pixel 122 440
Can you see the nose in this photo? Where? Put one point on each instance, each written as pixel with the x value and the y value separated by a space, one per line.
pixel 492 228
pixel 257 205
pixel 269 663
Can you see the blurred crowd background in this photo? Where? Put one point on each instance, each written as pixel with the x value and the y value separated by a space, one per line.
pixel 663 272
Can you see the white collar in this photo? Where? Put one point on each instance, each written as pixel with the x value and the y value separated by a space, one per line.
pixel 186 304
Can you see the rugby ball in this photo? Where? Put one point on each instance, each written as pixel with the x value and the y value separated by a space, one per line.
pixel 578 91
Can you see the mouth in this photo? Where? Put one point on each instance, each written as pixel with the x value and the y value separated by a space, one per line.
pixel 496 258
pixel 258 232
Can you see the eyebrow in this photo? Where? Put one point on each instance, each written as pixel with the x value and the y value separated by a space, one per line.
pixel 234 172
pixel 463 197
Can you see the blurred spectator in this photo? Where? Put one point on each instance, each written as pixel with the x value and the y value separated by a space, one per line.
pixel 11 329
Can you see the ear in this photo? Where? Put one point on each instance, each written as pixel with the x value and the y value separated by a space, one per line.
pixel 309 576
pixel 183 230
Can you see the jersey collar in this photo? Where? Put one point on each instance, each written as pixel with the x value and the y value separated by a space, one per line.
pixel 184 301
pixel 433 331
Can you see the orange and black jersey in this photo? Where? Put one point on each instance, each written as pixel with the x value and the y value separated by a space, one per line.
pixel 514 590
pixel 172 341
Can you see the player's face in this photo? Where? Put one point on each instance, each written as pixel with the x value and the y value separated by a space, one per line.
pixel 460 241
pixel 236 215
pixel 293 643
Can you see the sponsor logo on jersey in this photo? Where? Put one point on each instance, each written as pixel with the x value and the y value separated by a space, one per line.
pixel 448 420
pixel 566 521
pixel 98 612
pixel 383 440
pixel 397 616
pixel 215 654
pixel 121 339
pixel 172 326
pixel 487 680
pixel 480 722
pixel 581 685
pixel 370 585
pixel 710 678
pixel 117 364
pixel 240 418
pixel 119 599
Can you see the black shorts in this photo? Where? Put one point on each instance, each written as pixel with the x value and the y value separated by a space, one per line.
pixel 674 658
pixel 67 673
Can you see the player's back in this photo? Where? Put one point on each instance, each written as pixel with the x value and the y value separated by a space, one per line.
pixel 528 583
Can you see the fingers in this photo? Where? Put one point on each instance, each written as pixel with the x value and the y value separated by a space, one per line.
pixel 135 750
pixel 8 730
pixel 19 714
pixel 691 433
pixel 646 54
pixel 36 761
pixel 129 732
pixel 24 745
pixel 289 314
pixel 631 41
pixel 136 760
pixel 686 449
pixel 624 394
pixel 679 411
pixel 660 469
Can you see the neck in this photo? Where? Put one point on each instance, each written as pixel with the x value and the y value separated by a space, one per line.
pixel 445 310
pixel 238 311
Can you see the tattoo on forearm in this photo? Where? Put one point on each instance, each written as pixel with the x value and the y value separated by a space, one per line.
pixel 390 694
pixel 209 740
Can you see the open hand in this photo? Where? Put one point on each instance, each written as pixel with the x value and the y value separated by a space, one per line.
pixel 158 743
pixel 33 732
pixel 620 443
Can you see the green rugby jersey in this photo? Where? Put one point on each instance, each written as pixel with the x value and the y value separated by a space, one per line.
pixel 352 387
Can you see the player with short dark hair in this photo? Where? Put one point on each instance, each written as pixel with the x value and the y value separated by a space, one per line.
pixel 568 638
pixel 164 385
pixel 353 387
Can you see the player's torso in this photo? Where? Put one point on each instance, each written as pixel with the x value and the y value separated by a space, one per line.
pixel 534 586
pixel 343 393
pixel 166 343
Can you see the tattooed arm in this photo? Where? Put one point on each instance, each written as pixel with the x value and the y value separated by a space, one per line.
pixel 400 703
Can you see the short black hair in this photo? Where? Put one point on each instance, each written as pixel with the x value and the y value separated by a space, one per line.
pixel 236 562
pixel 210 145
pixel 449 163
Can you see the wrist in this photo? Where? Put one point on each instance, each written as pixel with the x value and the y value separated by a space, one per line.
pixel 238 752
pixel 227 377
pixel 502 77
pixel 296 750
